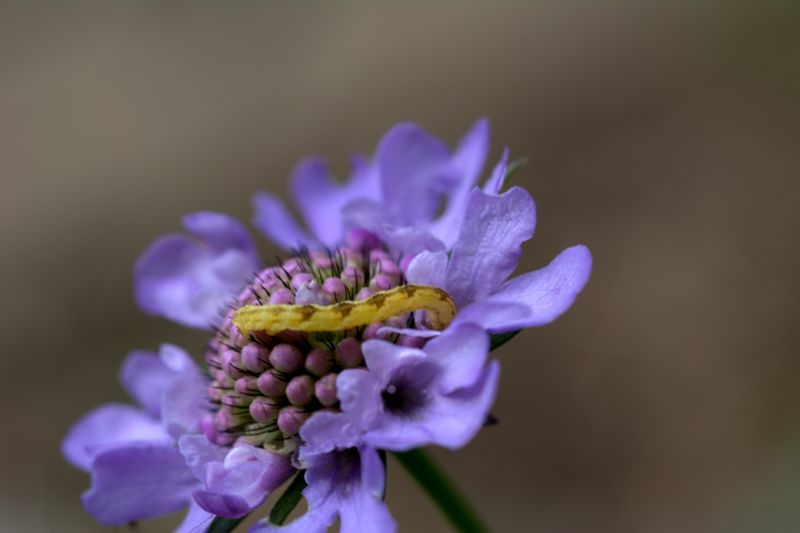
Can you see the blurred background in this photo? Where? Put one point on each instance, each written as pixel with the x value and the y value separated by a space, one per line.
pixel 662 134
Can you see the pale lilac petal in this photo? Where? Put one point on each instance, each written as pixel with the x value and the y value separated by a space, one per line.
pixel 364 177
pixel 454 419
pixel 550 291
pixel 176 358
pixel 184 402
pixel 494 317
pixel 464 168
pixel 406 240
pixel 428 268
pixel 236 482
pixel 365 214
pixel 170 386
pixel 189 279
pixel 495 181
pixel 449 420
pixel 383 357
pixel 424 333
pixel 219 232
pixel 253 472
pixel 357 389
pixel 489 244
pixel 373 472
pixel 316 520
pixel 364 511
pixel 221 504
pixel 145 377
pixel 196 520
pixel 324 432
pixel 273 218
pixel 412 164
pixel 317 196
pixel 109 426
pixel 321 199
pixel 400 434
pixel 137 481
pixel 461 353
pixel 470 156
pixel 198 452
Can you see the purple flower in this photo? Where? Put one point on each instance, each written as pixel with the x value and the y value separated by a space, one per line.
pixel 137 471
pixel 406 397
pixel 328 399
pixel 348 484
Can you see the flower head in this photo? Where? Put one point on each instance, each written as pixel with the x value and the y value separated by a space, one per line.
pixel 374 334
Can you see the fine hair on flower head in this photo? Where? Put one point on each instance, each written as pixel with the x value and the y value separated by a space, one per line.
pixel 372 335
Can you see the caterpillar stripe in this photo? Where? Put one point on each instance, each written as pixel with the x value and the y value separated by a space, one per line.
pixel 345 315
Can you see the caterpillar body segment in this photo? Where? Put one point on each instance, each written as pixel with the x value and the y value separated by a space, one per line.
pixel 345 315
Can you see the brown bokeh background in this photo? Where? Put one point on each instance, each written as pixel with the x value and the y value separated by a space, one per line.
pixel 664 135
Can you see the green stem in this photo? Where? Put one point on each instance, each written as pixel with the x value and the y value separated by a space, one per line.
pixel 224 525
pixel 439 487
pixel 288 500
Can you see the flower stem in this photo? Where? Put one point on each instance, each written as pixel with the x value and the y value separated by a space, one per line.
pixel 439 487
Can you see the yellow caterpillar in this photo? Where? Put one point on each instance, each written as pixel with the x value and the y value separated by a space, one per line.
pixel 345 315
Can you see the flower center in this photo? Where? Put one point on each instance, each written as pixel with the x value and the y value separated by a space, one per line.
pixel 408 391
pixel 275 359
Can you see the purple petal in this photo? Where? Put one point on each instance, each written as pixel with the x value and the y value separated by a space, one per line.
pixel 176 359
pixel 464 169
pixel 109 426
pixel 494 317
pixel 547 292
pixel 198 452
pixel 219 232
pixel 184 402
pixel 405 240
pixel 461 353
pixel 145 377
pixel 189 279
pixel 359 393
pixel 424 333
pixel 454 419
pixel 470 156
pixel 428 268
pixel 136 481
pixel 219 504
pixel 169 386
pixel 383 357
pixel 495 181
pixel 316 520
pixel 401 239
pixel 364 511
pixel 324 432
pixel 277 223
pixel 321 199
pixel 449 420
pixel 317 196
pixel 411 163
pixel 489 244
pixel 366 214
pixel 235 483
pixel 196 520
